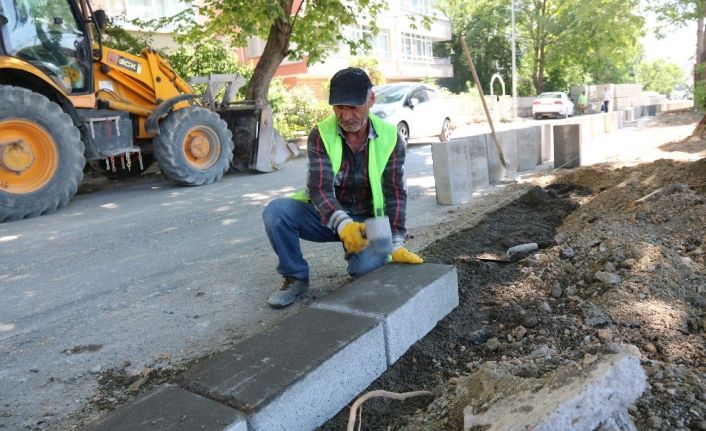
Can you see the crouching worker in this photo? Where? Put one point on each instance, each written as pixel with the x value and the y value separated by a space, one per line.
pixel 355 165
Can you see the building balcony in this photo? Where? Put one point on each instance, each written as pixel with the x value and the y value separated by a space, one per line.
pixel 402 69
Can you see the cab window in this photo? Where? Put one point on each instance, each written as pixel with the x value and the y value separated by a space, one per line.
pixel 48 35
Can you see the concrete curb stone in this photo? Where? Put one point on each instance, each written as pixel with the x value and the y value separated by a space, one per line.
pixel 409 300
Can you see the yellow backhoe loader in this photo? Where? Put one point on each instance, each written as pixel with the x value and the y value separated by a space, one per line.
pixel 65 100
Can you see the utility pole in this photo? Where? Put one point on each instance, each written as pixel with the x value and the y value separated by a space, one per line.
pixel 514 71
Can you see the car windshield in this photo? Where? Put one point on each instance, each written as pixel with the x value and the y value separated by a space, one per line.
pixel 390 93
pixel 549 96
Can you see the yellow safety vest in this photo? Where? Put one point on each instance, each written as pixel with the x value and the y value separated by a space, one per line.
pixel 379 153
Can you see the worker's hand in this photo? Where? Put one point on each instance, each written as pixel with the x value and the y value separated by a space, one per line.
pixel 402 255
pixel 353 237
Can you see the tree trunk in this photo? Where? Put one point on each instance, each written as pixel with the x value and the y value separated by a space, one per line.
pixel 700 63
pixel 699 41
pixel 540 47
pixel 275 51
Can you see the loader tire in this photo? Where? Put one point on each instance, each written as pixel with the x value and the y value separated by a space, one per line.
pixel 41 155
pixel 194 146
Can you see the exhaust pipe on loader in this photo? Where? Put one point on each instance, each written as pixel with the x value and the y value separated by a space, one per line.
pixel 257 144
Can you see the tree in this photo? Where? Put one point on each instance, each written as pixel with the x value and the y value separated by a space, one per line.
pixel 485 25
pixel 681 12
pixel 660 76
pixel 598 38
pixel 291 28
pixel 559 42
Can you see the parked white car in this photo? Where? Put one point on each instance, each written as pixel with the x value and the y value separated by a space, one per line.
pixel 552 104
pixel 416 109
pixel 680 92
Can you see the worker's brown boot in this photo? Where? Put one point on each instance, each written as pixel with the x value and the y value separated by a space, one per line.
pixel 291 289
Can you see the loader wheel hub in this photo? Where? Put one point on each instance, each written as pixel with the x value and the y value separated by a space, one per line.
pixel 29 156
pixel 16 156
pixel 199 147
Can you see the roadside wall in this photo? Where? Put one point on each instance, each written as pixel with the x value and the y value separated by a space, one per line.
pixel 465 164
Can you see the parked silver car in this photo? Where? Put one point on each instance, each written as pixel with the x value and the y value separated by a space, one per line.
pixel 416 109
pixel 552 104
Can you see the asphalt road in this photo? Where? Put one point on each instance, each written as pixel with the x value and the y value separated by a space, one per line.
pixel 148 272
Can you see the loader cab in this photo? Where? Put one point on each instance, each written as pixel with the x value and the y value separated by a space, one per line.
pixel 50 35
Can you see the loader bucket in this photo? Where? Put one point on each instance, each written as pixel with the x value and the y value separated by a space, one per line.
pixel 272 149
pixel 257 144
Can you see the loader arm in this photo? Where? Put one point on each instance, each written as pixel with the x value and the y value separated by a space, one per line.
pixel 137 84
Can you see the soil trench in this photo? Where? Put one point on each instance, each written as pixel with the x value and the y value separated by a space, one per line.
pixel 551 307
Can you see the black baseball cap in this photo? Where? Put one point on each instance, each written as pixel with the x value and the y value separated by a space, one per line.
pixel 349 86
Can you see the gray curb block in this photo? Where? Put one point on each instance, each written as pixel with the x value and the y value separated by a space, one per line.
pixel 300 372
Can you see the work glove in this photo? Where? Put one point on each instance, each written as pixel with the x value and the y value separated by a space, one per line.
pixel 402 255
pixel 353 237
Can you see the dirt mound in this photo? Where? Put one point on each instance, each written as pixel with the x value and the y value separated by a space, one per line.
pixel 620 268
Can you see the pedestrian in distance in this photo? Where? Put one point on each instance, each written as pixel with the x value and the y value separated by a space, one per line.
pixel 606 100
pixel 582 103
pixel 355 169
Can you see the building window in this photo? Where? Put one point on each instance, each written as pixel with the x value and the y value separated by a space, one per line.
pixel 418 6
pixel 416 47
pixel 379 43
pixel 146 9
pixel 256 47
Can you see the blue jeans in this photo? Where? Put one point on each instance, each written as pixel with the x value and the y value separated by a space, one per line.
pixel 287 220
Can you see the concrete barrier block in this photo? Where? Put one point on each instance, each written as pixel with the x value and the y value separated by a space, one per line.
pixel 547 144
pixel 528 147
pixel 611 121
pixel 479 161
pixel 629 115
pixel 296 374
pixel 597 126
pixel 409 300
pixel 508 143
pixel 566 402
pixel 460 167
pixel 567 145
pixel 169 407
pixel 585 129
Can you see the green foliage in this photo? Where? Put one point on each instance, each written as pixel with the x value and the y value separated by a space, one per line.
pixel 676 12
pixel 660 75
pixel 372 67
pixel 485 25
pixel 316 28
pixel 598 38
pixel 118 38
pixel 208 56
pixel 296 111
pixel 558 43
pixel 201 57
pixel 311 32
